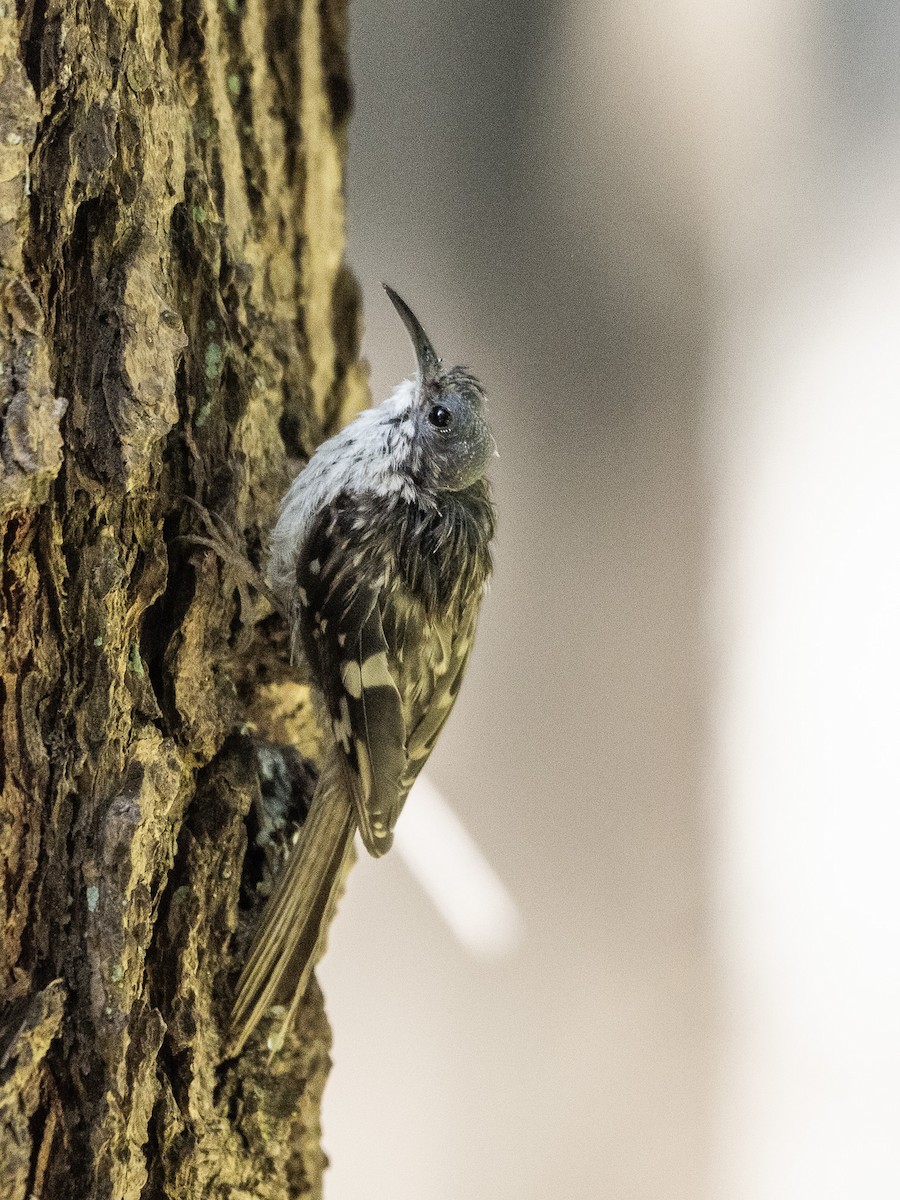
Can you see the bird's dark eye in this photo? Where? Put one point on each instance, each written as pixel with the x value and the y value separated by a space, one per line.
pixel 439 416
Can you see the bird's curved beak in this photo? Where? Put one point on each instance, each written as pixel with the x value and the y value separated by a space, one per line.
pixel 429 363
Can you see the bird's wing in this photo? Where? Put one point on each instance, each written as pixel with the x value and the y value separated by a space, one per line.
pixel 433 662
pixel 340 594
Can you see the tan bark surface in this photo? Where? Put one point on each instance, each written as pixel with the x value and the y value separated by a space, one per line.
pixel 175 321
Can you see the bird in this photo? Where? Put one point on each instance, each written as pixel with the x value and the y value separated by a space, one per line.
pixel 380 558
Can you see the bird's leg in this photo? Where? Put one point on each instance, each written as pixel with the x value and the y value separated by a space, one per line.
pixel 222 539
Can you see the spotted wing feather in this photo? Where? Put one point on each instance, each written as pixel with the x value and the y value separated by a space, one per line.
pixel 431 658
pixel 388 645
pixel 345 643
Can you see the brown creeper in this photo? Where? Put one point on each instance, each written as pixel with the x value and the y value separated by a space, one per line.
pixel 380 557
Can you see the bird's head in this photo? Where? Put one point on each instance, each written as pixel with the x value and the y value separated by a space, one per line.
pixel 452 438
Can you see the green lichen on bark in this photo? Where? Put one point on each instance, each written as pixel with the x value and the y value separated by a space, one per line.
pixel 175 321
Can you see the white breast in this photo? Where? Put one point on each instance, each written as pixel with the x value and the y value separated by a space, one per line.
pixel 365 457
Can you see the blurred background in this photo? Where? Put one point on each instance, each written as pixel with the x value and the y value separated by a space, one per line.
pixel 667 237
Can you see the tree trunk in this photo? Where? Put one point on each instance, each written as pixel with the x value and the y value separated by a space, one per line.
pixel 176 323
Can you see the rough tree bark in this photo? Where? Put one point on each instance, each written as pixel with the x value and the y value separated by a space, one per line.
pixel 175 322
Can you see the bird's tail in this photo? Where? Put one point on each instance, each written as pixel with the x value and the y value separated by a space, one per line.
pixel 291 935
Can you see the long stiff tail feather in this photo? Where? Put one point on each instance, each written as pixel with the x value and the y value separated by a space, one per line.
pixel 291 935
